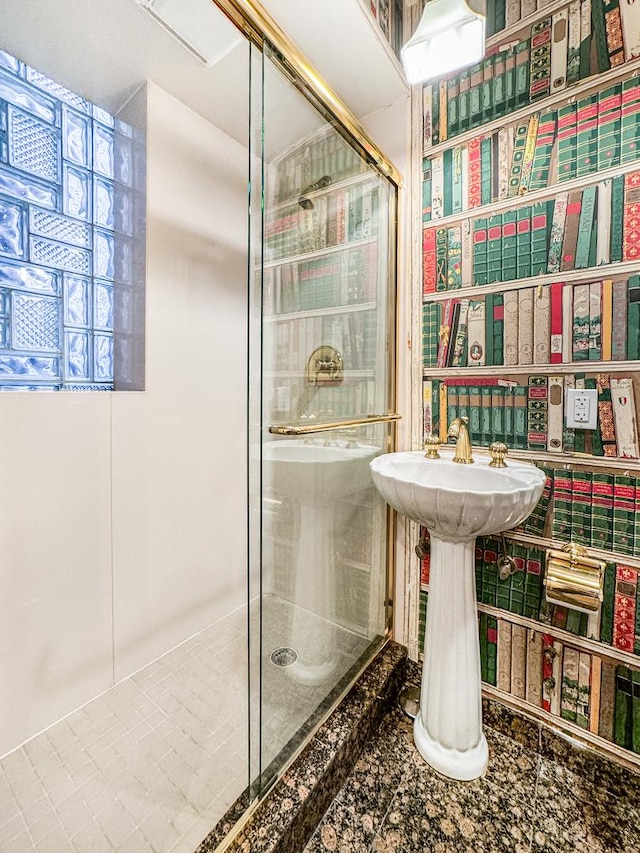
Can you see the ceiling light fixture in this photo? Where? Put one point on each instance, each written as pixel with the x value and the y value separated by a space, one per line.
pixel 449 36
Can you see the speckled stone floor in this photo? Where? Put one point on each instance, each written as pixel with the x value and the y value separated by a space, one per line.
pixel 527 802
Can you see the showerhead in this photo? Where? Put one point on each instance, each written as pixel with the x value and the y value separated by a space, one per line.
pixel 306 203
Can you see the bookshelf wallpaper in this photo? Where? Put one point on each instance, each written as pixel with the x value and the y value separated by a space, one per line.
pixel 531 286
pixel 536 661
pixel 66 223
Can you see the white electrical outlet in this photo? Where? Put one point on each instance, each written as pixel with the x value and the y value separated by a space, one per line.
pixel 582 408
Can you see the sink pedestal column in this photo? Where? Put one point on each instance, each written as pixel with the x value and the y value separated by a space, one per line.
pixel 448 728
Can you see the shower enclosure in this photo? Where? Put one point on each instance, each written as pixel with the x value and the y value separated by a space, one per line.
pixel 196 365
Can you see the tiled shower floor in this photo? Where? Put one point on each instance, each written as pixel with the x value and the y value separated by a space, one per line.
pixel 151 765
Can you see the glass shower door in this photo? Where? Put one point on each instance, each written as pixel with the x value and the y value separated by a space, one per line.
pixel 322 342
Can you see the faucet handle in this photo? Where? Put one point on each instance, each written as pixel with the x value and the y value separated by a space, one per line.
pixel 432 446
pixel 498 452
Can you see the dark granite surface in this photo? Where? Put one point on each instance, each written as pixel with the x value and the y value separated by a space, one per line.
pixel 539 793
pixel 360 786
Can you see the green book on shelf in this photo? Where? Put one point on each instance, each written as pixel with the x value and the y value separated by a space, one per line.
pixel 517 157
pixel 573 621
pixel 545 141
pixel 635 711
pixel 457 180
pixel 617 208
pixel 585 40
pixel 569 686
pixel 447 196
pixel 609 126
pixel 585 227
pixel 486 170
pixel 492 650
pixel 601 509
pixel 536 523
pixel 523 242
pixel 539 238
pixel 453 88
pixel 623 712
pixel 490 572
pixel 475 95
pixel 633 318
pixel 522 51
pixel 480 251
pixel 509 245
pixel 497 413
pixel 463 101
pixel 510 80
pixel 478 567
pixel 587 135
pixel 426 189
pixel 452 402
pixel 567 142
pixel 533 582
pixel 485 413
pixel 487 88
pixel 435 114
pixel 494 248
pixel 483 646
pixel 507 416
pixel 630 120
pixel 516 590
pixel 498 94
pixel 599 31
pixel 475 414
pixel 520 417
pixel 488 328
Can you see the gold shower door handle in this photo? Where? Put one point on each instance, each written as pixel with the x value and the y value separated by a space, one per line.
pixel 307 429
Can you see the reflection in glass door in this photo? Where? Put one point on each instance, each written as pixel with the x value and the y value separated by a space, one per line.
pixel 322 311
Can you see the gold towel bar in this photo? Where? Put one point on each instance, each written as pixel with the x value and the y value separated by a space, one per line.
pixel 306 429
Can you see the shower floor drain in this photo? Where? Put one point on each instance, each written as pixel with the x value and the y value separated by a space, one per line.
pixel 284 656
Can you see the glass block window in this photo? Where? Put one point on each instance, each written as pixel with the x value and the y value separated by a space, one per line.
pixel 66 233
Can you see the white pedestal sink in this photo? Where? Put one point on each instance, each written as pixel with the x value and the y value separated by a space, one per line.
pixel 317 475
pixel 455 503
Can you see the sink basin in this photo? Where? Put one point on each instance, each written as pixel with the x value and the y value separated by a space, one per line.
pixel 457 502
pixel 317 473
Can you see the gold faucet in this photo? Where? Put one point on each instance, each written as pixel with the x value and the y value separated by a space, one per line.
pixel 459 430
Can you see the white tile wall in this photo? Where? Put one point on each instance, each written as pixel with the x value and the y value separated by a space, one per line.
pixel 122 516
pixel 55 563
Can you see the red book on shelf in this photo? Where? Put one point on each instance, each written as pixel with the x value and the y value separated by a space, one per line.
pixel 429 260
pixel 425 563
pixel 624 608
pixel 474 173
pixel 631 217
pixel 480 380
pixel 555 343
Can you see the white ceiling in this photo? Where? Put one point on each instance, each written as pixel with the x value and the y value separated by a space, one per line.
pixel 105 49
